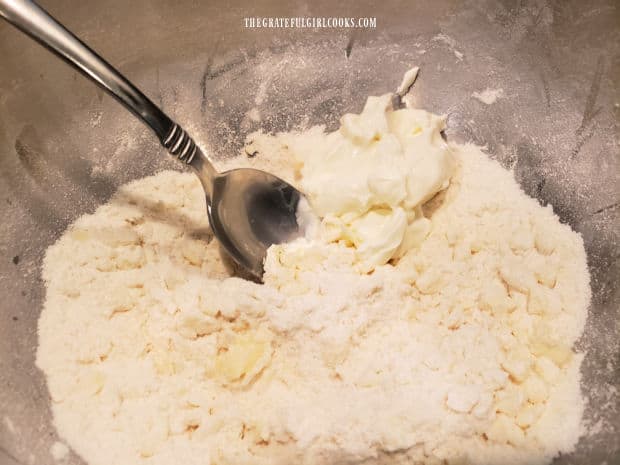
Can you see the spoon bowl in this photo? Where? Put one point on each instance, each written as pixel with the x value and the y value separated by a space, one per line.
pixel 250 211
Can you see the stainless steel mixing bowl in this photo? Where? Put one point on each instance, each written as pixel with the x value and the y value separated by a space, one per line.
pixel 65 147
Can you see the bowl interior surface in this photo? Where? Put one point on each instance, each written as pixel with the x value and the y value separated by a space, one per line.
pixel 65 146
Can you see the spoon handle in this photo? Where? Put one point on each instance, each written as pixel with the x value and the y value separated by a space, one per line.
pixel 33 20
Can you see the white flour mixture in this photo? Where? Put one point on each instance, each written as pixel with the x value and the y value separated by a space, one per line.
pixel 429 320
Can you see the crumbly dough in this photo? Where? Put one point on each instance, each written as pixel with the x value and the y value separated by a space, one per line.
pixel 453 346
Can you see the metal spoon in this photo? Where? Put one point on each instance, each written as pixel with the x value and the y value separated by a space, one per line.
pixel 248 209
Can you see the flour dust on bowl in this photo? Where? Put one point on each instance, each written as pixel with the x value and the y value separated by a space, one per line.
pixel 433 312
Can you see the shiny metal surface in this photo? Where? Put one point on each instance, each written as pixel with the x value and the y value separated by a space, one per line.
pixel 65 147
pixel 249 210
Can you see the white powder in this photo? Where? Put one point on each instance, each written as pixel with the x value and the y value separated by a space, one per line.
pixel 254 114
pixel 458 352
pixel 488 96
pixel 59 451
